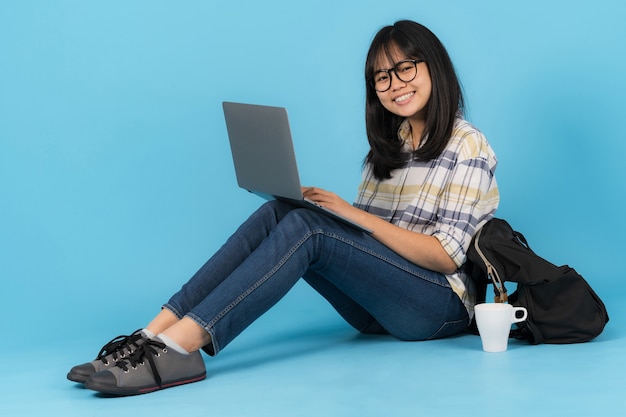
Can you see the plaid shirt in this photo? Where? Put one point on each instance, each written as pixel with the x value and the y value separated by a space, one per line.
pixel 449 197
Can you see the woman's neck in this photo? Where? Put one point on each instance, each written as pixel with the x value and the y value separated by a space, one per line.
pixel 417 130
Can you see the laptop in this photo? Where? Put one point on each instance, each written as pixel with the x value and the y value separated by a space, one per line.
pixel 264 158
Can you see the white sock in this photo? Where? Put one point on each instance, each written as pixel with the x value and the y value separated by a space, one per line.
pixel 148 333
pixel 171 344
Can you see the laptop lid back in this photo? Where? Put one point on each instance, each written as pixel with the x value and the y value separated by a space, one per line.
pixel 262 149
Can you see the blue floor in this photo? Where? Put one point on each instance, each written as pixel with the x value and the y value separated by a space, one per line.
pixel 301 360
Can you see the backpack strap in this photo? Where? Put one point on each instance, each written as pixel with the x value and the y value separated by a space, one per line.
pixel 499 289
pixel 522 240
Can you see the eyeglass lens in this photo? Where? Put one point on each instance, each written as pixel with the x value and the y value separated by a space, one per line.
pixel 405 71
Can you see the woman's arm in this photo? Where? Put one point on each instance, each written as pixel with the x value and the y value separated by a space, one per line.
pixel 423 250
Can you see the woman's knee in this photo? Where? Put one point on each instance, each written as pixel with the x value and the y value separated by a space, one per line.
pixel 274 206
pixel 304 217
pixel 274 211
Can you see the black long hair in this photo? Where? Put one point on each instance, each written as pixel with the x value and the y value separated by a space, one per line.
pixel 444 106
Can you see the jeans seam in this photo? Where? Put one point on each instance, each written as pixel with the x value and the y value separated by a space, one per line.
pixel 260 282
pixel 390 261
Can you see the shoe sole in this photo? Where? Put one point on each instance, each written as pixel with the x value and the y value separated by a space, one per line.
pixel 123 391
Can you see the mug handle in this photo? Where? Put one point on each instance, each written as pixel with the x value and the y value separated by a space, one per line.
pixel 516 319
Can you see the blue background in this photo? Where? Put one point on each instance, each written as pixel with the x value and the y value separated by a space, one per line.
pixel 116 181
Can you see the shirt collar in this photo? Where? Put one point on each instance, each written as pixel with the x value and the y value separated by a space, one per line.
pixel 406 137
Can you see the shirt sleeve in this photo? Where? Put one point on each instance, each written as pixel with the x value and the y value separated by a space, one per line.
pixel 469 198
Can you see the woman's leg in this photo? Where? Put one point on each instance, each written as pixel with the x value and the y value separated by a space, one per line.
pixel 407 305
pixel 164 320
pixel 352 312
pixel 236 249
pixel 233 253
pixel 409 302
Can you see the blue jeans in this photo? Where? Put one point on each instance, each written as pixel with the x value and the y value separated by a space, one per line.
pixel 373 289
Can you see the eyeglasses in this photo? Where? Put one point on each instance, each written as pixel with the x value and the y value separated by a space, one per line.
pixel 406 71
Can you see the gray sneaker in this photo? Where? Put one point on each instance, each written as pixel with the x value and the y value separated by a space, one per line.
pixel 152 367
pixel 117 349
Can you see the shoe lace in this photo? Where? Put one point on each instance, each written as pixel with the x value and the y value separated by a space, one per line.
pixel 118 344
pixel 147 351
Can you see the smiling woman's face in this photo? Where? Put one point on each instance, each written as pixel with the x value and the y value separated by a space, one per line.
pixel 405 99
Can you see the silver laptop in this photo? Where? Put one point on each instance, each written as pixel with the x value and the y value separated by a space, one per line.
pixel 263 154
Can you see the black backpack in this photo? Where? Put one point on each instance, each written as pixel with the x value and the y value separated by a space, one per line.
pixel 562 307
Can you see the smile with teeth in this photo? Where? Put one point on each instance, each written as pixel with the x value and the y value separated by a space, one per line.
pixel 403 97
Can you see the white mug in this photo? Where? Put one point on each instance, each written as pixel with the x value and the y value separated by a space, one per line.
pixel 494 324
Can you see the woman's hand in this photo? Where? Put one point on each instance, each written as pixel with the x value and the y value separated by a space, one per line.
pixel 420 249
pixel 327 200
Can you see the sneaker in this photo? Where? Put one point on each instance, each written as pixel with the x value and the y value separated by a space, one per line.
pixel 118 348
pixel 150 368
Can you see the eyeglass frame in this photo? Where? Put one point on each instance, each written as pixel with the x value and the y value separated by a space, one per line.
pixel 389 70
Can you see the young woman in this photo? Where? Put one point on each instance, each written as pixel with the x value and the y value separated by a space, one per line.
pixel 428 185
